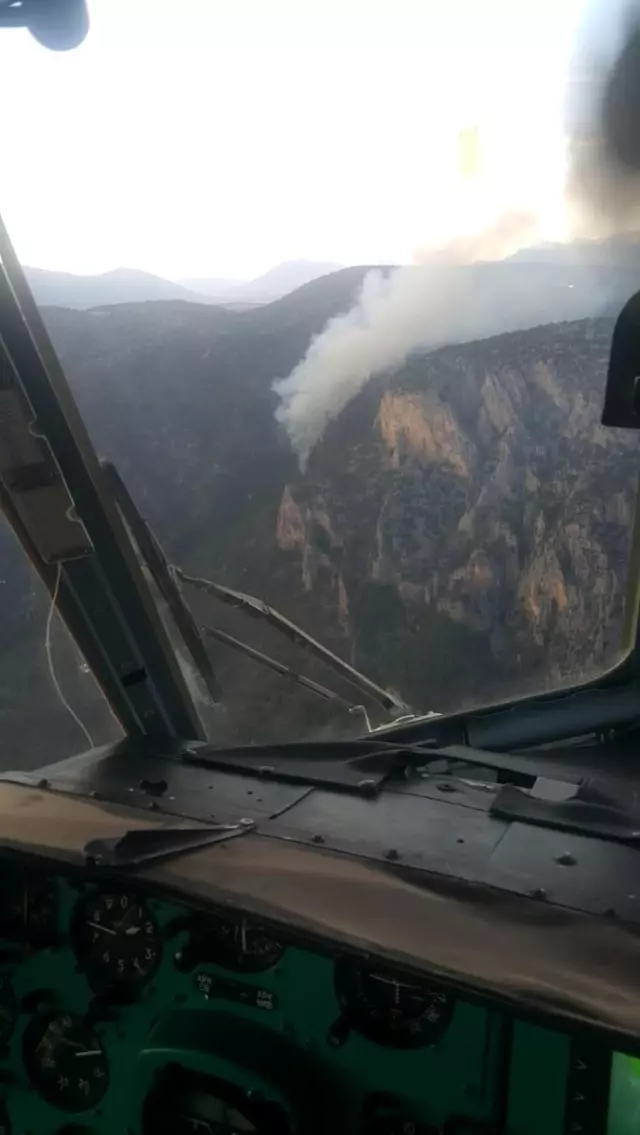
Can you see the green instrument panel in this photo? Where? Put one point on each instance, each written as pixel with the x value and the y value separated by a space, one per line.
pixel 121 1013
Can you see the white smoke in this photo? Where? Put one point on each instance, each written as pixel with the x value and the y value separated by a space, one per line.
pixel 436 304
pixel 433 305
pixel 427 306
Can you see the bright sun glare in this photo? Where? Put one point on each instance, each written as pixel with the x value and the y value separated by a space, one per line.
pixel 235 135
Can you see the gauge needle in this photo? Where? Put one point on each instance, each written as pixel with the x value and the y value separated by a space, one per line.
pixel 89 1052
pixel 133 909
pixel 103 929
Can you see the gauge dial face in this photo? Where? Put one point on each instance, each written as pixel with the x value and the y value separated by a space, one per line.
pixel 391 1008
pixel 5 1121
pixel 29 910
pixel 397 1125
pixel 186 1102
pixel 9 1009
pixel 210 1115
pixel 117 941
pixel 65 1061
pixel 243 945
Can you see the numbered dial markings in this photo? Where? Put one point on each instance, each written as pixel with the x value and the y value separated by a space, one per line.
pixel 65 1061
pixel 243 946
pixel 390 1008
pixel 117 941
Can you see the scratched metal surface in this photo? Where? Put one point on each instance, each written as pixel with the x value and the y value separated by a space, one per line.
pixel 413 824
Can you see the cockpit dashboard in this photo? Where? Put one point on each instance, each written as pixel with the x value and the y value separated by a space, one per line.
pixel 121 1011
pixel 295 979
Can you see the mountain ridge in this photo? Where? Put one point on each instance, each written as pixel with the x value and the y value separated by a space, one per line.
pixel 598 272
pixel 131 285
pixel 460 534
pixel 270 285
pixel 120 285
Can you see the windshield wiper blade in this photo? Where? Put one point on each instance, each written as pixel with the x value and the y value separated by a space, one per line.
pixel 167 579
pixel 280 668
pixel 258 609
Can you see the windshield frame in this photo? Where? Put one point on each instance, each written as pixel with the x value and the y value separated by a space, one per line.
pixel 606 701
pixel 92 575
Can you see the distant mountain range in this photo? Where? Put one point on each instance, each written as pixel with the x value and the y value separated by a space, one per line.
pixel 277 282
pixel 596 269
pixel 123 285
pixel 621 250
pixel 129 285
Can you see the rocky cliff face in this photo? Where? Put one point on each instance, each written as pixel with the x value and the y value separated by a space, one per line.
pixel 467 521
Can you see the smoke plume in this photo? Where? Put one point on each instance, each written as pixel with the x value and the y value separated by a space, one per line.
pixel 424 307
pixel 439 302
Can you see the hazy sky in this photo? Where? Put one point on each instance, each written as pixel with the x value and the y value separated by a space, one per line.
pixel 238 133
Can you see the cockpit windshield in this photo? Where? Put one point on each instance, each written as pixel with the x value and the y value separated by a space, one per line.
pixel 334 288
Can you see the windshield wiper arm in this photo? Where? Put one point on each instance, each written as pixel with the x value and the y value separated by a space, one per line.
pixel 280 668
pixel 167 578
pixel 258 609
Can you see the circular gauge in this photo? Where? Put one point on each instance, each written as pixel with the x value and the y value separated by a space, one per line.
pixel 5 1119
pixel 29 910
pixel 185 1102
pixel 389 1008
pixel 397 1125
pixel 65 1061
pixel 240 945
pixel 9 1009
pixel 117 941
